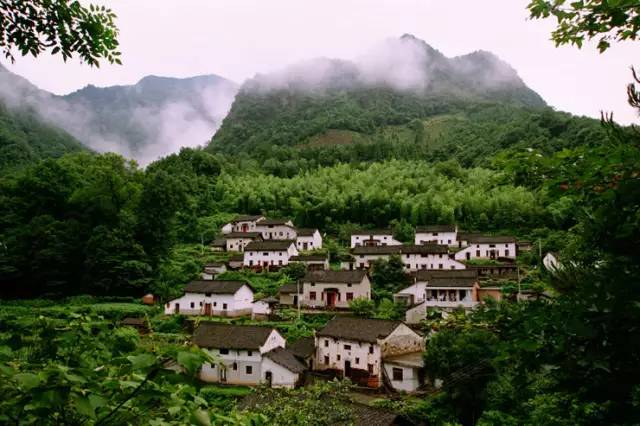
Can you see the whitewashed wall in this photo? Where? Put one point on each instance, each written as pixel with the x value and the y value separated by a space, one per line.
pixel 482 251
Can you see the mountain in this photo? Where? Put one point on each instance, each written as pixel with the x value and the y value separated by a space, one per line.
pixel 144 121
pixel 24 136
pixel 400 81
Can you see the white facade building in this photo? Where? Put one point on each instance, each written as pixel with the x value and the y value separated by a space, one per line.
pixel 359 348
pixel 382 237
pixel 334 289
pixel 414 257
pixel 246 223
pixel 237 241
pixel 276 229
pixel 213 298
pixel 274 253
pixel 308 239
pixel 313 262
pixel 488 247
pixel 446 235
pixel 248 355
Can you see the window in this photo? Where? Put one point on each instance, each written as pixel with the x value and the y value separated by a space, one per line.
pixel 448 241
pixel 280 233
pixel 397 374
pixel 200 303
pixel 348 285
pixel 338 357
pixel 435 234
pixel 235 366
pixel 370 368
pixel 215 304
pixel 347 347
pixel 265 254
pixel 370 349
pixel 224 306
pixel 249 353
pixel 251 263
pixel 349 296
pixel 477 253
pixel 212 365
pixel 313 284
pixel 440 266
pixel 312 295
pixel 207 294
pixel 326 343
pixel 224 351
pixel 248 369
pixel 326 360
pixel 193 305
pixel 357 361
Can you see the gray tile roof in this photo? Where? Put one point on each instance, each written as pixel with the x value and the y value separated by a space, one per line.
pixel 435 228
pixel 288 288
pixel 219 242
pixel 228 336
pixel 243 235
pixel 373 232
pixel 452 282
pixel 275 222
pixel 402 249
pixel 490 239
pixel 334 277
pixel 236 258
pixel 424 275
pixel 246 218
pixel 358 329
pixel 286 359
pixel 215 286
pixel 303 348
pixel 306 232
pixel 269 245
pixel 376 250
pixel 309 258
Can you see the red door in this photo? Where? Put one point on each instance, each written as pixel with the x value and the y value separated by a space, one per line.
pixel 207 309
pixel 331 298
pixel 245 227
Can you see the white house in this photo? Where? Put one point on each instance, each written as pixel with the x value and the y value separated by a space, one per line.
pixel 313 262
pixel 276 229
pixel 379 237
pixel 414 257
pixel 212 269
pixel 248 355
pixel 213 298
pixel 288 294
pixel 308 239
pixel 266 254
pixel 334 289
pixel 219 244
pixel 237 241
pixel 446 235
pixel 416 293
pixel 245 223
pixel 367 351
pixel 487 247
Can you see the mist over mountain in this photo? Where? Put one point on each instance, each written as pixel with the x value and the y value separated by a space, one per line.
pixel 397 81
pixel 153 118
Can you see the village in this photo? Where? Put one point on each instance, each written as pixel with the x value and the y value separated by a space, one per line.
pixel 448 270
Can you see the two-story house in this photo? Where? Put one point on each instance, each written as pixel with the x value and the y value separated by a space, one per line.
pixel 247 355
pixel 213 298
pixel 371 351
pixel 334 289
pixel 269 254
pixel 377 237
pixel 487 247
pixel 446 235
pixel 244 223
pixel 276 229
pixel 414 256
pixel 237 241
pixel 308 239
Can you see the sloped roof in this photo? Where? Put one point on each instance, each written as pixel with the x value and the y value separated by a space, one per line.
pixel 358 329
pixel 306 232
pixel 243 235
pixel 402 249
pixel 303 347
pixel 237 258
pixel 246 218
pixel 376 250
pixel 228 336
pixel 286 359
pixel 453 282
pixel 426 275
pixel 269 245
pixel 335 277
pixel 373 232
pixel 275 222
pixel 288 288
pixel 215 286
pixel 219 242
pixel 490 239
pixel 435 228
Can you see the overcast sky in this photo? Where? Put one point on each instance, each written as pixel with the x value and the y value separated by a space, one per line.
pixel 238 38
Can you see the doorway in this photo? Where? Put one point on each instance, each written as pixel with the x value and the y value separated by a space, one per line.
pixel 268 377
pixel 305 246
pixel 177 308
pixel 223 374
pixel 347 368
pixel 207 309
pixel 331 298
